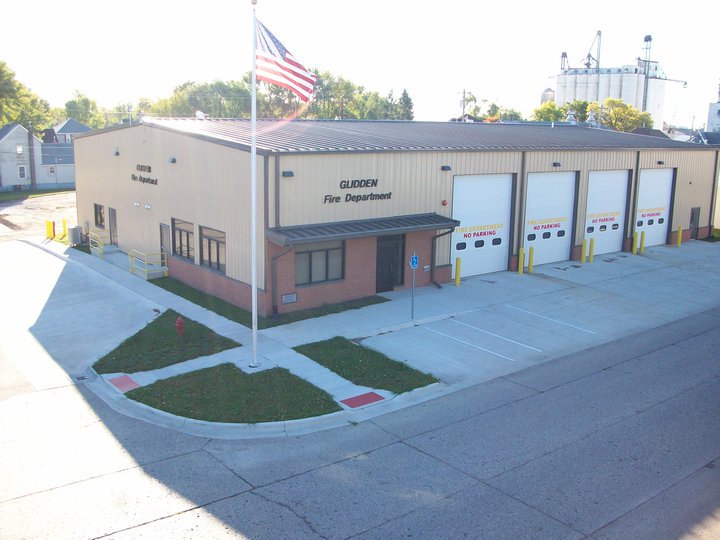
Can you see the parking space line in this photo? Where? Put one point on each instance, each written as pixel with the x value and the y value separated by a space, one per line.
pixel 467 343
pixel 549 319
pixel 497 336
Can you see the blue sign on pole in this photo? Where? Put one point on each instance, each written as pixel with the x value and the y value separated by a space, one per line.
pixel 414 262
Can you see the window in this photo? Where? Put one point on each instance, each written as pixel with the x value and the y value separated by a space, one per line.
pixel 21 172
pixel 615 226
pixel 496 241
pixel 52 170
pixel 561 234
pixel 603 228
pixel 460 246
pixel 479 243
pixel 183 239
pixel 590 229
pixel 639 223
pixel 19 149
pixel 318 262
pixel 661 220
pixel 212 248
pixel 100 216
pixel 546 235
pixel 651 221
pixel 531 237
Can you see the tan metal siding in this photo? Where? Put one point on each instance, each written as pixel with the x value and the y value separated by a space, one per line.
pixel 208 186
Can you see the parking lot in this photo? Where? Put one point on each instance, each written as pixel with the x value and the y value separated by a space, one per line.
pixel 26 218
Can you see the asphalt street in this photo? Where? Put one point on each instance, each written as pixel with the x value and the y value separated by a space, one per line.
pixel 620 439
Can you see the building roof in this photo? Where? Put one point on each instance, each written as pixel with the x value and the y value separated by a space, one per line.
pixel 71 126
pixel 343 230
pixel 318 136
pixel 7 129
pixel 57 154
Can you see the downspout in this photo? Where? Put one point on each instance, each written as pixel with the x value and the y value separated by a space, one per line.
pixel 273 277
pixel 432 256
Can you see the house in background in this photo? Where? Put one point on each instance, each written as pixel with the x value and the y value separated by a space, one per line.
pixel 28 163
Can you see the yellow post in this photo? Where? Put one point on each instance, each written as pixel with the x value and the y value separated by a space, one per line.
pixel 64 228
pixel 458 264
pixel 582 255
pixel 531 258
pixel 634 246
pixel 521 260
pixel 642 242
pixel 679 240
pixel 592 249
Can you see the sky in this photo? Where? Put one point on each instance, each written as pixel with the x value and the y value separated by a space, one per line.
pixel 503 52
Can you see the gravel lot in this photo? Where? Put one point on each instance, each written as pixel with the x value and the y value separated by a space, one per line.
pixel 26 218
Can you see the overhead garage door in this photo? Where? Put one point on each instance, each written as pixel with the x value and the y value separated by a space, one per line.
pixel 653 207
pixel 482 205
pixel 549 214
pixel 605 211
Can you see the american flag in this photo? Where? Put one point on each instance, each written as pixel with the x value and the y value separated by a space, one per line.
pixel 275 64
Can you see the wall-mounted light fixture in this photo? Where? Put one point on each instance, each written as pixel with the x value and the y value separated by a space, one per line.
pixel 172 160
pixel 288 174
pixel 556 164
pixel 446 168
pixel 661 162
pixel 116 153
pixel 136 204
pixel 148 206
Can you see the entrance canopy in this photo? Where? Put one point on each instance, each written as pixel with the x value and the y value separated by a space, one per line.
pixel 342 230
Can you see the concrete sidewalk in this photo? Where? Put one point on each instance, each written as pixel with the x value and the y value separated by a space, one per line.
pixel 490 326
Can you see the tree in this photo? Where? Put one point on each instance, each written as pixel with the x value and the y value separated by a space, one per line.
pixel 19 104
pixel 579 107
pixel 405 106
pixel 549 112
pixel 85 110
pixel 618 115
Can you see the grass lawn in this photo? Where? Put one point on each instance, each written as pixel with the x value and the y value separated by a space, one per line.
pixel 22 195
pixel 158 345
pixel 241 316
pixel 364 366
pixel 225 394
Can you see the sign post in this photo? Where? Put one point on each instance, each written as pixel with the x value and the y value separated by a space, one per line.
pixel 413 265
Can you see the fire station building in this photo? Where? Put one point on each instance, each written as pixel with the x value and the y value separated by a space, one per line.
pixel 343 205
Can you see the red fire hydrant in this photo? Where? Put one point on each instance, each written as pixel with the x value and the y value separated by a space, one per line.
pixel 180 325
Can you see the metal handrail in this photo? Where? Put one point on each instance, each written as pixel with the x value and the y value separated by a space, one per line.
pixel 95 240
pixel 145 261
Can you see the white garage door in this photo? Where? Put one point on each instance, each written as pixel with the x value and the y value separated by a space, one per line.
pixel 605 211
pixel 549 216
pixel 482 205
pixel 653 208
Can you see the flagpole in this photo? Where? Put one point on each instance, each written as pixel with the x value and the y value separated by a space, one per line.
pixel 253 182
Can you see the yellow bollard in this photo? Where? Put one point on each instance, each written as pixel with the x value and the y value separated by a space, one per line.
pixel 679 240
pixel 458 264
pixel 49 229
pixel 531 258
pixel 521 260
pixel 582 255
pixel 64 235
pixel 642 242
pixel 592 249
pixel 634 246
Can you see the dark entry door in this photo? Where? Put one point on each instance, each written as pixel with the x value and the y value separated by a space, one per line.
pixel 694 222
pixel 113 227
pixel 389 263
pixel 165 239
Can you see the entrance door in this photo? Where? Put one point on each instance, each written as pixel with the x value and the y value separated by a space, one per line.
pixel 165 245
pixel 549 215
pixel 694 222
pixel 389 263
pixel 482 203
pixel 113 227
pixel 653 206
